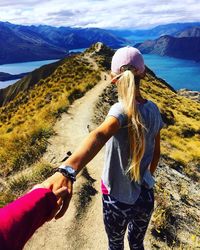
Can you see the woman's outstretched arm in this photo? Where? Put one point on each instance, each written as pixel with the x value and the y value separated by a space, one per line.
pixel 84 154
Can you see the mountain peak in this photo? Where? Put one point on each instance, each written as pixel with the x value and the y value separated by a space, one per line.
pixel 100 48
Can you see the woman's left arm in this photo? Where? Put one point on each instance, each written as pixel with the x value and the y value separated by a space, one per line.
pixel 156 154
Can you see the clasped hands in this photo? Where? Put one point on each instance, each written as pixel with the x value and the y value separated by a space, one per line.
pixel 62 187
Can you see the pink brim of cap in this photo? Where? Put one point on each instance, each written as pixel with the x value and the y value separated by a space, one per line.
pixel 127 56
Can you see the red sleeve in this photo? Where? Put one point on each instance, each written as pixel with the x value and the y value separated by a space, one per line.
pixel 20 219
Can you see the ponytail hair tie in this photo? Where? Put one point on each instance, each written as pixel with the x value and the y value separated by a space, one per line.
pixel 116 78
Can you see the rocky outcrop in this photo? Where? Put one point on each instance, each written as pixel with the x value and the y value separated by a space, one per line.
pixel 193 95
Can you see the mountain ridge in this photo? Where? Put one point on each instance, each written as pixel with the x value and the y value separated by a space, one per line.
pixel 191 32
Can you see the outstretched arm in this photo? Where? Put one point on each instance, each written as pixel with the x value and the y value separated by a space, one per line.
pixel 156 154
pixel 84 154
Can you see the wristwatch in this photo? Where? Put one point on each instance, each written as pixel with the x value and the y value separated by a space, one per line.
pixel 68 172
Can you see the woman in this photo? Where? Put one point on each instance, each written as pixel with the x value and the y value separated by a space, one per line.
pixel 131 132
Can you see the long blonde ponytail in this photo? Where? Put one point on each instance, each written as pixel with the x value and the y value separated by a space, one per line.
pixel 127 95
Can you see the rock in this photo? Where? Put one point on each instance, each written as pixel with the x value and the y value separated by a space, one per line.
pixel 193 95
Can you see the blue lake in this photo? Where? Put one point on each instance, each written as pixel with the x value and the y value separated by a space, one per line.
pixel 177 72
pixel 18 68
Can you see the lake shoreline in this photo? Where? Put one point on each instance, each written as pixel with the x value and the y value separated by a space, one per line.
pixel 7 77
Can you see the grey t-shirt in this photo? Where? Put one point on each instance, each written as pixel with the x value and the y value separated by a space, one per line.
pixel 114 177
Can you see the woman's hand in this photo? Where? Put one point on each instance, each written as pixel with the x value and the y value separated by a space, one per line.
pixel 62 187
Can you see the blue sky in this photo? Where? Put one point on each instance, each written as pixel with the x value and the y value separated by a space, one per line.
pixel 99 13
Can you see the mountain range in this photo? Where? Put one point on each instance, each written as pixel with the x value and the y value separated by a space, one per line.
pixel 21 43
pixel 167 29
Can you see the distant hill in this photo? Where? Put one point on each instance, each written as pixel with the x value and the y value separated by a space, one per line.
pixel 192 32
pixel 184 47
pixel 167 29
pixel 7 76
pixel 20 43
pixel 73 38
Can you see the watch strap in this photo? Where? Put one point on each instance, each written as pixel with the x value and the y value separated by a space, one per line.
pixel 68 172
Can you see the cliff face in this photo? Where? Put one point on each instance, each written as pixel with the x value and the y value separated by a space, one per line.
pixel 184 47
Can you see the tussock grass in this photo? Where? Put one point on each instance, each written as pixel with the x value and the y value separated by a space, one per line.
pixel 27 121
pixel 22 182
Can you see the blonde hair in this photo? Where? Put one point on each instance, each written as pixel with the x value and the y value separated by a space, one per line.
pixel 126 94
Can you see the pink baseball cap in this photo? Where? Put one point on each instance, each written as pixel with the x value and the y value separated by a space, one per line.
pixel 127 56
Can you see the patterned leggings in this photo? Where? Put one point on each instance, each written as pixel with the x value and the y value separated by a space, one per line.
pixel 118 216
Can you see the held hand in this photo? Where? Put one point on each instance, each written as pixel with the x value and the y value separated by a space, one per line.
pixel 56 182
pixel 60 194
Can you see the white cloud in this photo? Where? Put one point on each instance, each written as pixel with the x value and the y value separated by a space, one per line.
pixel 99 13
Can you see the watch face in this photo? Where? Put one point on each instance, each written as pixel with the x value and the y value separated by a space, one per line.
pixel 71 170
